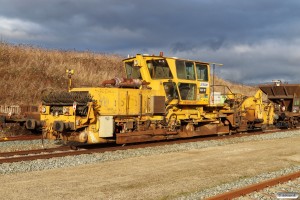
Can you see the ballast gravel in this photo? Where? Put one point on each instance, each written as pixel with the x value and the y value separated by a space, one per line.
pixel 179 171
pixel 71 161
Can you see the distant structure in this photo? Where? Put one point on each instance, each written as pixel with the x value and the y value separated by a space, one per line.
pixel 277 82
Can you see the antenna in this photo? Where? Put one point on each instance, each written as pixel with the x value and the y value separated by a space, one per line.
pixel 69 72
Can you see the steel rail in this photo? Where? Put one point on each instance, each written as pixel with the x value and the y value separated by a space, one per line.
pixel 255 187
pixel 21 137
pixel 18 156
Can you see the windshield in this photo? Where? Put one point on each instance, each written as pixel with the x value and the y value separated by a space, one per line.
pixel 185 70
pixel 187 91
pixel 202 72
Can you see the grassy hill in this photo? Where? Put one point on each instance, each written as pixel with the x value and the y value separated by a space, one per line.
pixel 27 71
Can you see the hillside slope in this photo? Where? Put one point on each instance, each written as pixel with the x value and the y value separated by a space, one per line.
pixel 26 72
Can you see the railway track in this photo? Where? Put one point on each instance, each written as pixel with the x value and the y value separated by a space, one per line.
pixel 20 137
pixel 260 186
pixel 84 160
pixel 28 155
pixel 18 156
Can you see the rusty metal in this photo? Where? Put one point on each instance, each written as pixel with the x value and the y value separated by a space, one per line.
pixel 282 91
pixel 164 134
pixel 255 187
pixel 35 151
pixel 18 156
pixel 282 95
pixel 17 109
pixel 141 136
pixel 286 98
pixel 18 113
pixel 125 82
pixel 20 137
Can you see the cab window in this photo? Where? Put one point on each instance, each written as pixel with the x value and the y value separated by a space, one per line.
pixel 187 91
pixel 132 71
pixel 202 72
pixel 171 91
pixel 185 70
pixel 159 69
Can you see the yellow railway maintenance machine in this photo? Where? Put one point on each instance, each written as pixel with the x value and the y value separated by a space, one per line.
pixel 160 98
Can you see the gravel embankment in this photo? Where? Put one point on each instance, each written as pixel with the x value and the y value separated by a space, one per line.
pixel 69 161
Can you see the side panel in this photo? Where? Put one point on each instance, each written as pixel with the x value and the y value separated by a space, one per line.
pixel 124 101
pixel 106 126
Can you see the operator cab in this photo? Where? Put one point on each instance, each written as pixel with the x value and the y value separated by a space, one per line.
pixel 184 81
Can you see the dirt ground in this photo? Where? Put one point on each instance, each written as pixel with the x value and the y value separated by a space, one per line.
pixel 155 177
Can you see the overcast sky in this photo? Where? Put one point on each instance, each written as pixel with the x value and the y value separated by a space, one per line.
pixel 256 40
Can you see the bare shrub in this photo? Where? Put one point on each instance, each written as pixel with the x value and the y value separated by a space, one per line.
pixel 236 87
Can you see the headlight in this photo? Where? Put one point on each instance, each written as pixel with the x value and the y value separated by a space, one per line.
pixel 44 109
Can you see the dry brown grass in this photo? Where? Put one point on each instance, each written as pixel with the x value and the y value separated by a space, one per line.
pixel 27 71
pixel 236 87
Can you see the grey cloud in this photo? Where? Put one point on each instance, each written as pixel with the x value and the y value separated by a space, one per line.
pixel 212 30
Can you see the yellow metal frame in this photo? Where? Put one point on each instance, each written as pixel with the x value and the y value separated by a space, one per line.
pixel 149 107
